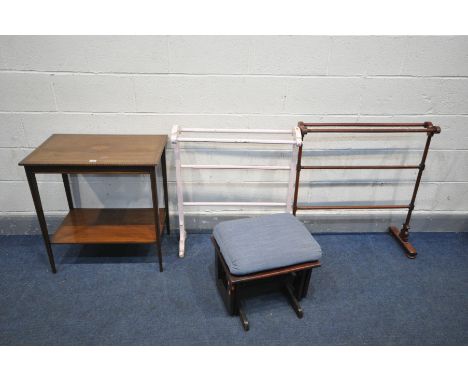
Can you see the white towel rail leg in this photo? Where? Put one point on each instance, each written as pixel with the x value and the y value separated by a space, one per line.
pixel 180 194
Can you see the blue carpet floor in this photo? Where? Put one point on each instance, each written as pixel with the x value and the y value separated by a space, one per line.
pixel 366 293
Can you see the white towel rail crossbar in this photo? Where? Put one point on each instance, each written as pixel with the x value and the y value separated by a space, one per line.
pixel 238 140
pixel 294 140
pixel 250 204
pixel 233 167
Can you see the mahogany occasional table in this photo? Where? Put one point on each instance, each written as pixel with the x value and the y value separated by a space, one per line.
pixel 101 154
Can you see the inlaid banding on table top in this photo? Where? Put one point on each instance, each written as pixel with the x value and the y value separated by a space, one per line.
pixel 98 150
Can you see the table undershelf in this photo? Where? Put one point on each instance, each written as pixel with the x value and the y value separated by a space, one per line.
pixel 108 225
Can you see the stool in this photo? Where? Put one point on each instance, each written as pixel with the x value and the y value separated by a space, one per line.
pixel 261 248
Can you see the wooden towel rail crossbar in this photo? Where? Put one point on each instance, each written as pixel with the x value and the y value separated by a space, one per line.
pixel 292 137
pixel 381 128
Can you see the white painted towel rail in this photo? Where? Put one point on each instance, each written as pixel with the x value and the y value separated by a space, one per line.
pixel 294 141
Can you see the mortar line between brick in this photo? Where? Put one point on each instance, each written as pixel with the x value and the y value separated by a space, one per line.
pixel 52 86
pixel 240 74
pixel 326 115
pixel 420 211
pixel 251 182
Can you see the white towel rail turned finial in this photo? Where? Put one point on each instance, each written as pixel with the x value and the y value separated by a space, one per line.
pixel 293 138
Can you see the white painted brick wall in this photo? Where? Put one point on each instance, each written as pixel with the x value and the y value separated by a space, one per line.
pixel 210 94
pixel 145 84
pixel 209 55
pixel 92 93
pixel 26 92
pixel 119 54
pixel 324 95
pixel 290 55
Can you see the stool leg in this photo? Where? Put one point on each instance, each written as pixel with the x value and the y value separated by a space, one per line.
pixel 294 303
pixel 218 267
pixel 226 288
pixel 305 288
pixel 232 302
pixel 298 285
pixel 242 315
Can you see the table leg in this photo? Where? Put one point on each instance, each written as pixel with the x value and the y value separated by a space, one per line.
pixel 166 200
pixel 154 193
pixel 66 183
pixel 40 216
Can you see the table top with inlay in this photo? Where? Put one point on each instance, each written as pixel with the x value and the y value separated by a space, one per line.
pixel 98 150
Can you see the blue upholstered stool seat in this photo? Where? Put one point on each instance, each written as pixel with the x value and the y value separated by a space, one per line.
pixel 263 243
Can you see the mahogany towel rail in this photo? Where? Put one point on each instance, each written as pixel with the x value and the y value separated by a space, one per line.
pixel 426 127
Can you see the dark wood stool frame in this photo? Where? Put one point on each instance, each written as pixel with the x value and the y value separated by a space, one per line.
pixel 427 127
pixel 159 217
pixel 229 285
